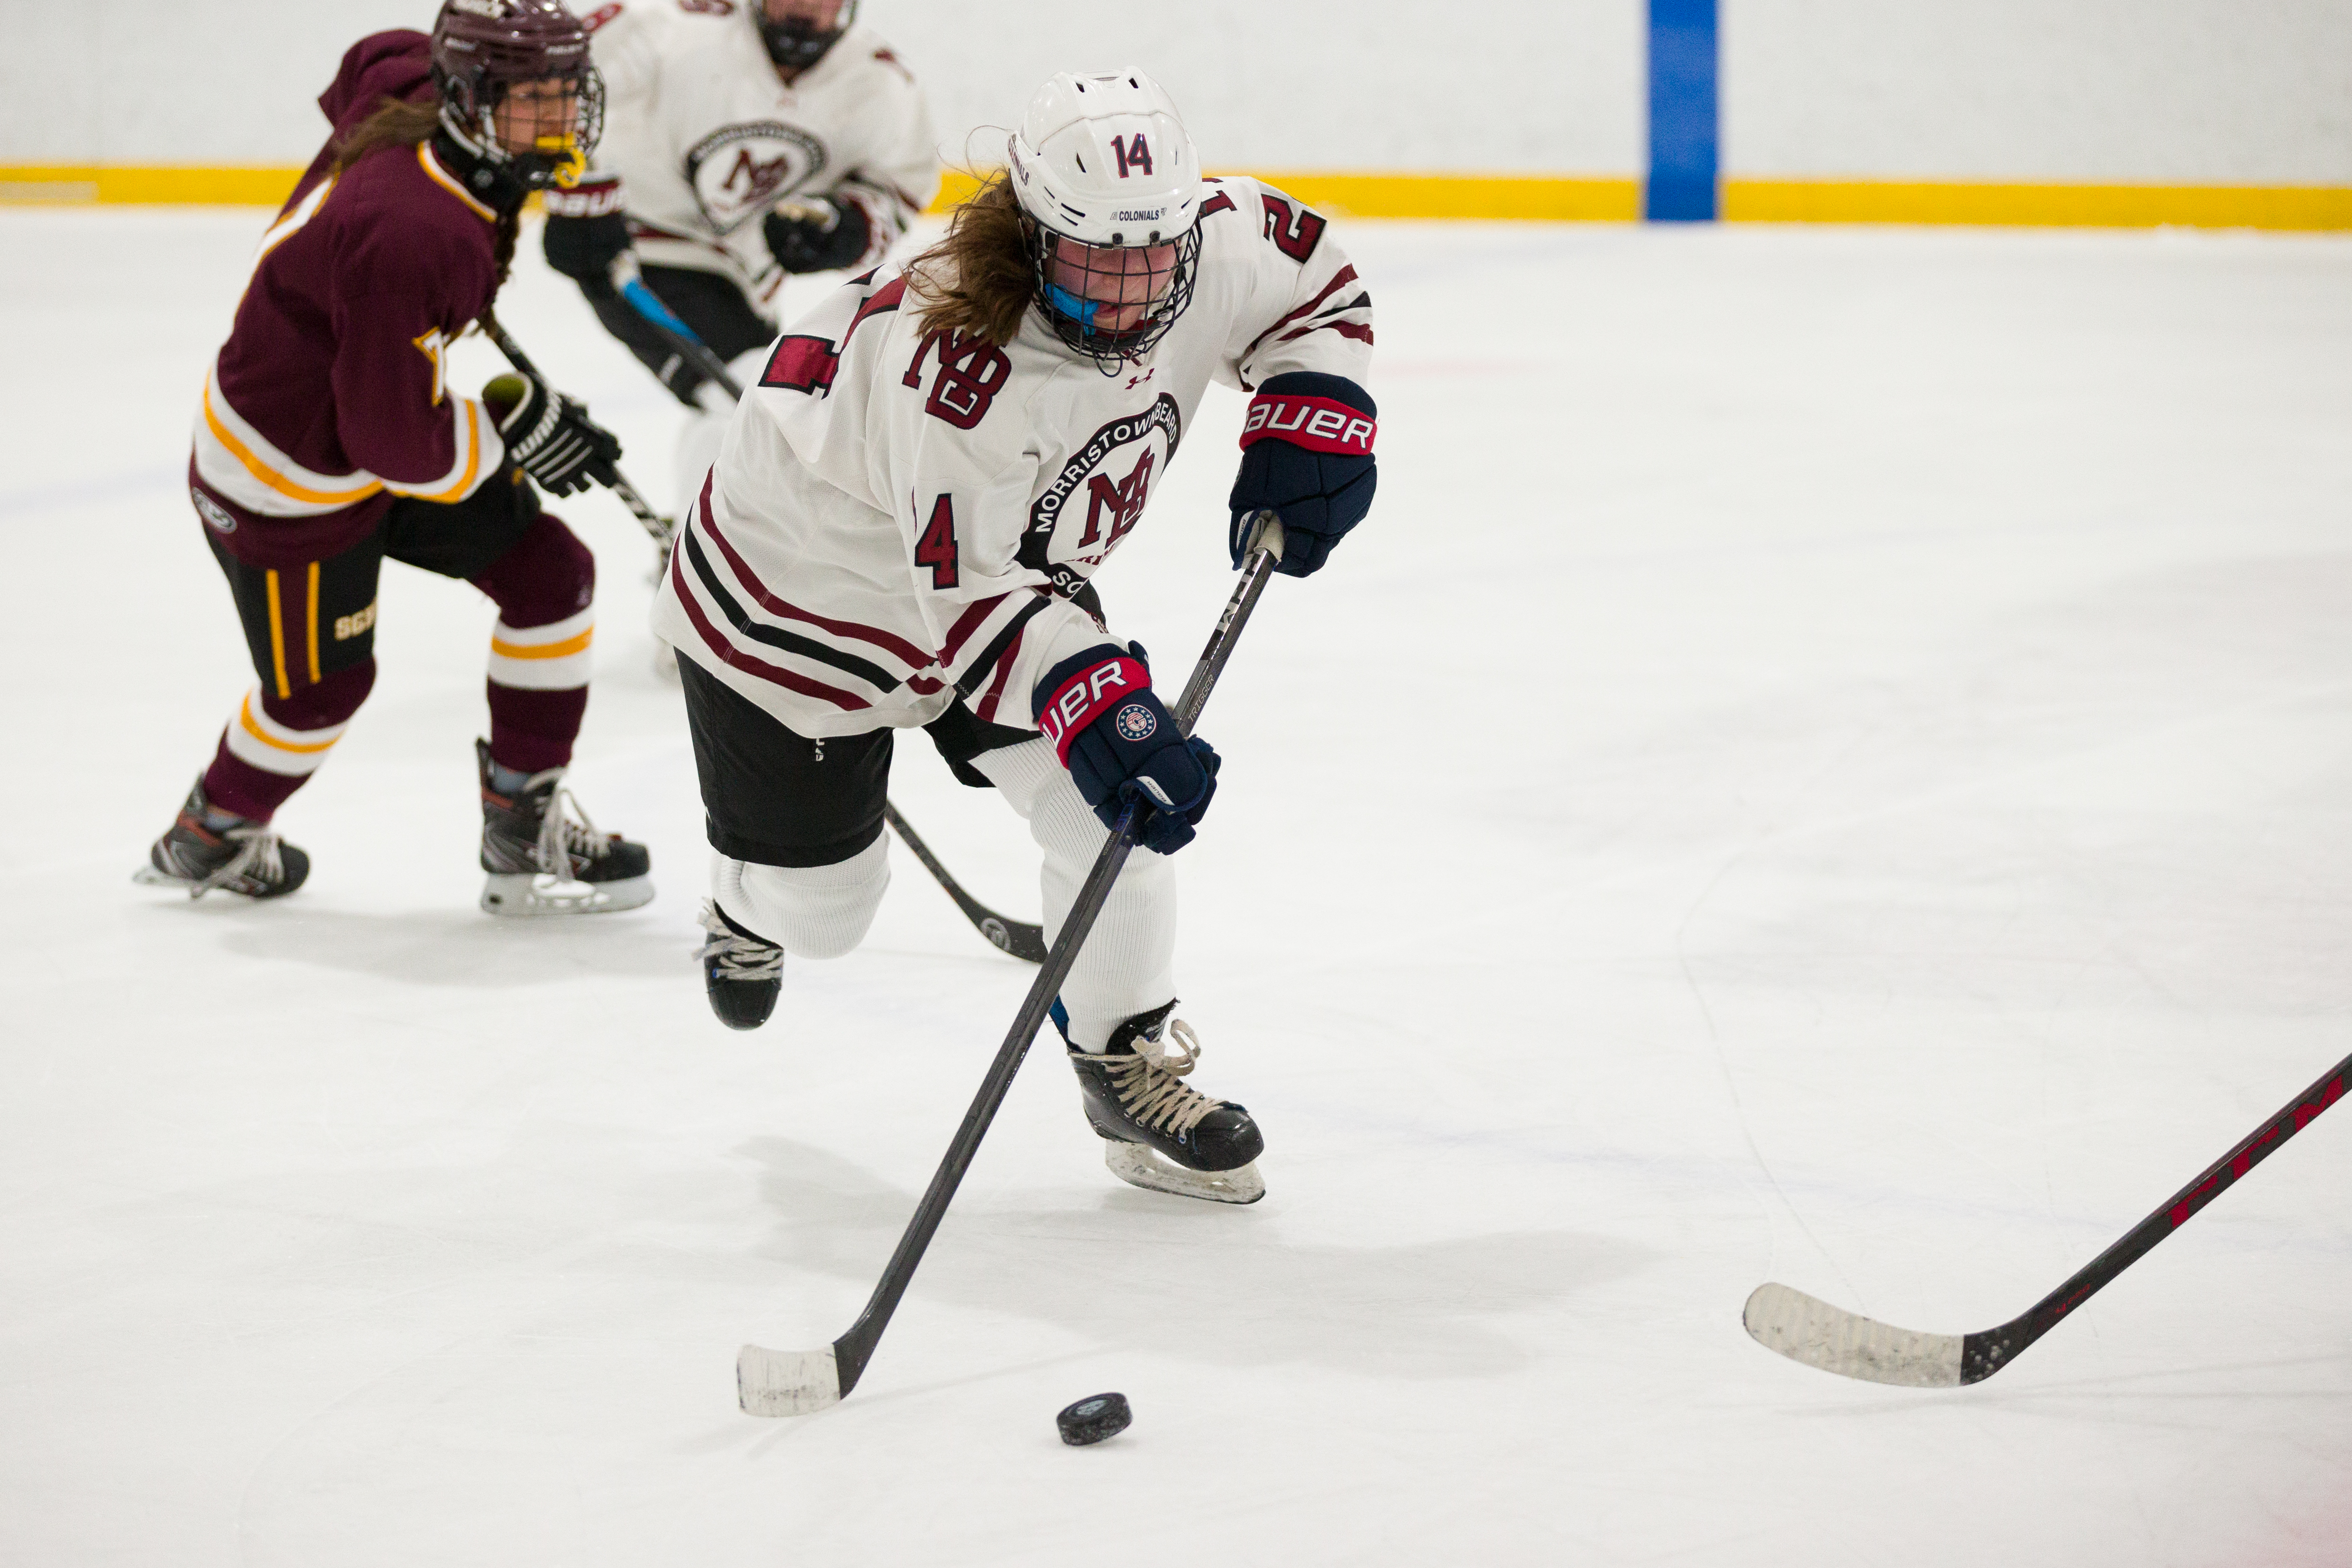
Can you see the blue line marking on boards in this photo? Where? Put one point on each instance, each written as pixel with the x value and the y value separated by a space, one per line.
pixel 1685 129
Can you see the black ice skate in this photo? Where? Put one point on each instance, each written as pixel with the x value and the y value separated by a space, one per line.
pixel 1159 1132
pixel 741 973
pixel 544 862
pixel 244 857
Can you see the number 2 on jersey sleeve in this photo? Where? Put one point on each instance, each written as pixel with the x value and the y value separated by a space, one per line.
pixel 936 548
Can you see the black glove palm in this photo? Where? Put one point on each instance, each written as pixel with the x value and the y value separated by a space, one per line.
pixel 817 236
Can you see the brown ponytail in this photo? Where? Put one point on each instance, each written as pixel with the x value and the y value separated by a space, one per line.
pixel 402 124
pixel 978 277
pixel 394 124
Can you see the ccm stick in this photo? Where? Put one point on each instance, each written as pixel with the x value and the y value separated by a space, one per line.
pixel 1019 938
pixel 796 1383
pixel 1818 1335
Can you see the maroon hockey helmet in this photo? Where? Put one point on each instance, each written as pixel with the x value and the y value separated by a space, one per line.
pixel 482 48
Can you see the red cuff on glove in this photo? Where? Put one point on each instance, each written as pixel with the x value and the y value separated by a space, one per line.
pixel 592 196
pixel 1087 696
pixel 1317 423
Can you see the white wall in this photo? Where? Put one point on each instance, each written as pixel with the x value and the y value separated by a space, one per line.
pixel 1332 84
pixel 2160 91
pixel 2223 91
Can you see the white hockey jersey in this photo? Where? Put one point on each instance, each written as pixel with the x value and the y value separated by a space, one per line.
pixel 898 516
pixel 707 138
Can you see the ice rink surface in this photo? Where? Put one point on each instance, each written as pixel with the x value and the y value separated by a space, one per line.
pixel 1831 761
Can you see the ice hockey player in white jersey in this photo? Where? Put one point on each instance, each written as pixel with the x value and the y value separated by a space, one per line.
pixel 744 140
pixel 900 531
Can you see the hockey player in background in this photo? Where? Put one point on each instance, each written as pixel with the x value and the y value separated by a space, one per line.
pixel 899 531
pixel 327 438
pixel 746 140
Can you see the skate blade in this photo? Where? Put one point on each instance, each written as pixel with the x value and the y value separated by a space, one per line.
pixel 1138 1166
pixel 786 1382
pixel 528 896
pixel 148 877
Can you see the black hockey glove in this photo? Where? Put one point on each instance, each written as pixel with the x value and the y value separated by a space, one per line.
pixel 817 236
pixel 1121 743
pixel 550 436
pixel 586 231
pixel 1306 456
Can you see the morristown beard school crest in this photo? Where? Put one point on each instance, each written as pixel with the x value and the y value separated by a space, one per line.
pixel 739 171
pixel 1103 488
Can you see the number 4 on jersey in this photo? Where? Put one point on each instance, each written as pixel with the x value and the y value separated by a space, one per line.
pixel 936 548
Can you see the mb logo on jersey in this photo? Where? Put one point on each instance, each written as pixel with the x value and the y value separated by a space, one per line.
pixel 1135 722
pixel 1110 496
pixel 741 170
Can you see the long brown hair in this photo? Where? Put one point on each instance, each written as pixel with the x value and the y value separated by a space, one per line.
pixel 394 124
pixel 398 123
pixel 977 278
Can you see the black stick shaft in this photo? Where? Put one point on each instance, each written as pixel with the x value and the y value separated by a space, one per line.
pixel 852 1350
pixel 1019 938
pixel 681 337
pixel 1985 1353
pixel 654 523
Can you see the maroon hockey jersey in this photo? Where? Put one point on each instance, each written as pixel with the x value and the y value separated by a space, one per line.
pixel 328 398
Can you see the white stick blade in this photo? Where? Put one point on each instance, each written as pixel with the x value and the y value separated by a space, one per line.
pixel 785 1383
pixel 1813 1332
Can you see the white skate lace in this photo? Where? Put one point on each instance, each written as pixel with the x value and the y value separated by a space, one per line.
pixel 560 837
pixel 742 957
pixel 258 855
pixel 1149 1083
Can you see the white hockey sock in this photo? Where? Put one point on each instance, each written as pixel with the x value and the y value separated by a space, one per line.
pixel 1128 963
pixel 810 912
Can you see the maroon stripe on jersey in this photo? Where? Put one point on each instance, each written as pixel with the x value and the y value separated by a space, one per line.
pixel 897 648
pixel 736 658
pixel 1345 276
pixel 806 364
pixel 1004 669
pixel 890 297
pixel 1345 329
pixel 969 622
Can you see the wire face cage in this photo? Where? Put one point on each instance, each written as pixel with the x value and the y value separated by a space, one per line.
pixel 1113 303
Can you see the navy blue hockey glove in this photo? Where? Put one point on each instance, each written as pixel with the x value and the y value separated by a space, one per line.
pixel 1306 456
pixel 817 236
pixel 586 231
pixel 1121 743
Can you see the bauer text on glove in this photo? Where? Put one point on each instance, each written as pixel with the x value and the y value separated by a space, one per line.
pixel 1121 744
pixel 1306 456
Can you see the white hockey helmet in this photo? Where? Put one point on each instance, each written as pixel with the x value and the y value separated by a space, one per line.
pixel 1103 163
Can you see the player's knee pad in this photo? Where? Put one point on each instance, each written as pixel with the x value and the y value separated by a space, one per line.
pixel 548 576
pixel 810 912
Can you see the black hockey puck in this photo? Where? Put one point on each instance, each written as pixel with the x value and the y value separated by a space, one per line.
pixel 1093 1419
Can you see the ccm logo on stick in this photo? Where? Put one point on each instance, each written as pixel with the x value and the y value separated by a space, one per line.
pixel 1317 423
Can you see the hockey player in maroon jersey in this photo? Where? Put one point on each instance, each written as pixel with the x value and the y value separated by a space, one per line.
pixel 328 439
pixel 900 530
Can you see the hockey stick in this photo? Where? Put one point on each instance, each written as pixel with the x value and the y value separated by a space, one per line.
pixel 682 339
pixel 659 527
pixel 795 1382
pixel 1019 938
pixel 1818 1335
